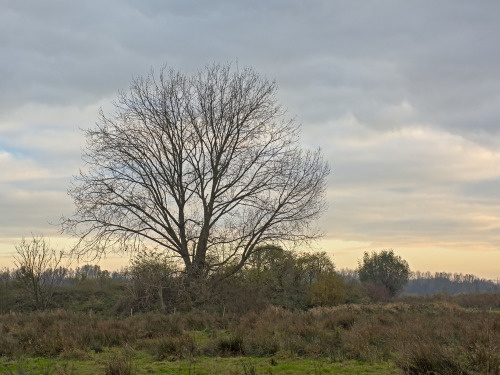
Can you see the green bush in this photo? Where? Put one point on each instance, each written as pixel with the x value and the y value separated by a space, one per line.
pixel 327 290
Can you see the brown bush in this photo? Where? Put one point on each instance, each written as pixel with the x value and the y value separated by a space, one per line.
pixel 120 363
pixel 430 358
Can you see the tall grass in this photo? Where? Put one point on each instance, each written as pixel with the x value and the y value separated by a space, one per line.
pixel 420 337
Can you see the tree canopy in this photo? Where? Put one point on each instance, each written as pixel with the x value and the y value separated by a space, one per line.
pixel 384 269
pixel 204 166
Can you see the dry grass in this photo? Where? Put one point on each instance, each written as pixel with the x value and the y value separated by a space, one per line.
pixel 421 338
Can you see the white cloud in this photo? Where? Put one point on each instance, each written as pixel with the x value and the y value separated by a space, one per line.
pixel 19 170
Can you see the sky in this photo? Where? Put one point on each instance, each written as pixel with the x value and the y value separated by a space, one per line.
pixel 403 97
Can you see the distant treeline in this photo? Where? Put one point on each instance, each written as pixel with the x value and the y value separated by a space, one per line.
pixel 425 283
pixel 428 284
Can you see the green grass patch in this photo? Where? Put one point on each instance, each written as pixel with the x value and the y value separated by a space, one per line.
pixel 250 366
pixel 144 363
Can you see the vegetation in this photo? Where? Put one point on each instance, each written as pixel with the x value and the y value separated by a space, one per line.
pixel 146 364
pixel 39 270
pixel 451 339
pixel 283 313
pixel 384 272
pixel 201 177
pixel 425 283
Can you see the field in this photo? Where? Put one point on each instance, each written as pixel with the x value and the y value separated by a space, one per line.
pixel 412 336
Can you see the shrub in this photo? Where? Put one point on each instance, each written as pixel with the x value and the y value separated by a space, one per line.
pixel 224 345
pixel 420 335
pixel 327 290
pixel 430 358
pixel 120 363
pixel 174 348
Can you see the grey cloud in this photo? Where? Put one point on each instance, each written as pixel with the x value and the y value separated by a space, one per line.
pixel 354 74
pixel 484 191
pixel 408 218
pixel 31 210
pixel 342 56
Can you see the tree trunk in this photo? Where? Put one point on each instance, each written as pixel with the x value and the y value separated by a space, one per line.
pixel 163 307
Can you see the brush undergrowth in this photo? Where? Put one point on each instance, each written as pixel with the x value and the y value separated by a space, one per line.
pixel 420 338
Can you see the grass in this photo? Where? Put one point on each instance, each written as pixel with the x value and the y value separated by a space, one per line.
pixel 145 364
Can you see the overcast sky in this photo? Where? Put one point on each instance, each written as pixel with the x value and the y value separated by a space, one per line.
pixel 402 96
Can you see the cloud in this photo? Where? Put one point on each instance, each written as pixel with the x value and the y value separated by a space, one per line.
pixel 330 59
pixel 18 169
pixel 402 97
pixel 27 209
pixel 32 195
pixel 411 186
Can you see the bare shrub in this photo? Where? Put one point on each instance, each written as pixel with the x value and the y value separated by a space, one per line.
pixel 229 345
pixel 120 363
pixel 341 319
pixel 159 324
pixel 377 293
pixel 260 341
pixel 39 270
pixel 175 348
pixel 482 301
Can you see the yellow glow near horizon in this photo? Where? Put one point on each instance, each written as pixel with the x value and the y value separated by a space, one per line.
pixel 481 262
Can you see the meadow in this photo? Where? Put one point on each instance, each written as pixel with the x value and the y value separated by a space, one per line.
pixel 438 335
pixel 286 313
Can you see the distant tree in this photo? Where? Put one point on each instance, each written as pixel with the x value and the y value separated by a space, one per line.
pixel 39 269
pixel 5 288
pixel 275 270
pixel 271 258
pixel 384 269
pixel 313 265
pixel 91 271
pixel 205 166
pixel 5 276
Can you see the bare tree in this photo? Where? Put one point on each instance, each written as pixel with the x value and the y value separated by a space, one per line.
pixel 39 269
pixel 205 166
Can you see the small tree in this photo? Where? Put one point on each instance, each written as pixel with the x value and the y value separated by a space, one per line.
pixel 39 269
pixel 384 269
